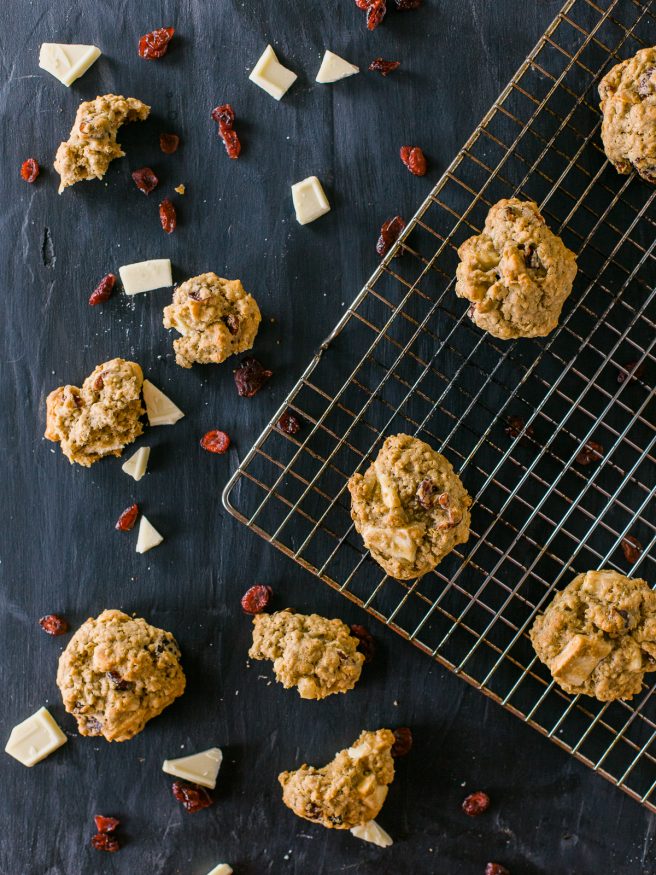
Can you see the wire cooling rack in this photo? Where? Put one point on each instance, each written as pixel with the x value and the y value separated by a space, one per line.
pixel 406 358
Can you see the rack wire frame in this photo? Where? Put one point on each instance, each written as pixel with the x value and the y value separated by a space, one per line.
pixel 538 517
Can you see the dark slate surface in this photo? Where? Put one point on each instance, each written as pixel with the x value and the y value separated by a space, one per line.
pixel 60 552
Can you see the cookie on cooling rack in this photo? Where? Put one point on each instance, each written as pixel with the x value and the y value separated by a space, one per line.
pixel 628 104
pixel 410 507
pixel 598 636
pixel 517 273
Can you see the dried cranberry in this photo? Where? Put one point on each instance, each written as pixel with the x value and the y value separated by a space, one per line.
pixel 168 216
pixel 103 290
pixel 53 624
pixel 402 742
pixel 155 44
pixel 632 548
pixel 193 797
pixel 224 116
pixel 427 493
pixel 631 369
pixel 127 519
pixel 215 442
pixel 250 376
pixel 118 683
pixel 515 426
pixel 375 13
pixel 289 423
pixel 256 599
pixel 476 803
pixel 496 869
pixel 366 644
pixel 362 4
pixel 232 323
pixel 105 824
pixel 590 452
pixel 102 841
pixel 231 143
pixel 145 179
pixel 407 5
pixel 30 169
pixel 389 234
pixel 380 65
pixel 414 159
pixel 169 143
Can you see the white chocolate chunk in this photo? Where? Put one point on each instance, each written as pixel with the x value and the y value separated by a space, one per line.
pixel 388 491
pixel 221 869
pixel 137 463
pixel 159 407
pixel 271 76
pixel 371 832
pixel 333 68
pixel 579 658
pixel 396 542
pixel 199 768
pixel 35 738
pixel 145 276
pixel 148 536
pixel 67 62
pixel 310 200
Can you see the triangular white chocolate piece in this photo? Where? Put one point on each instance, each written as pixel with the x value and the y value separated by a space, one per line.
pixel 160 409
pixel 136 465
pixel 67 62
pixel 35 738
pixel 371 832
pixel 333 68
pixel 148 536
pixel 199 768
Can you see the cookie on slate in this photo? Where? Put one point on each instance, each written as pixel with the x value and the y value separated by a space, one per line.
pixel 117 673
pixel 317 655
pixel 99 419
pixel 216 317
pixel 347 792
pixel 598 636
pixel 91 145
pixel 517 273
pixel 410 507
pixel 628 104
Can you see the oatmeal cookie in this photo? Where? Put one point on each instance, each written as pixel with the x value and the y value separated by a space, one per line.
pixel 216 318
pixel 117 673
pixel 628 105
pixel 517 273
pixel 318 656
pixel 91 145
pixel 99 419
pixel 410 507
pixel 598 636
pixel 347 792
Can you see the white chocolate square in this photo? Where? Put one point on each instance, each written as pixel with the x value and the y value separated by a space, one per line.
pixel 159 407
pixel 145 276
pixel 199 768
pixel 35 738
pixel 310 201
pixel 67 62
pixel 271 76
pixel 137 464
pixel 333 68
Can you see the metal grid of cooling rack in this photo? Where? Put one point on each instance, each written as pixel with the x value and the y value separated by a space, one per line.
pixel 405 357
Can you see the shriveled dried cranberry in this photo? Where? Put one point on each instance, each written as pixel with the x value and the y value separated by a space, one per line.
pixel 407 5
pixel 515 426
pixel 289 423
pixel 496 869
pixel 105 824
pixel 632 548
pixel 375 13
pixel 366 645
pixel 256 599
pixel 389 234
pixel 103 290
pixel 103 841
pixel 380 65
pixel 53 624
pixel 168 216
pixel 427 493
pixel 631 369
pixel 155 44
pixel 118 682
pixel 414 159
pixel 126 521
pixel 250 376
pixel 215 441
pixel 30 170
pixel 145 179
pixel 169 143
pixel 402 741
pixel 476 803
pixel 231 143
pixel 362 4
pixel 193 797
pixel 224 116
pixel 590 452
pixel 232 323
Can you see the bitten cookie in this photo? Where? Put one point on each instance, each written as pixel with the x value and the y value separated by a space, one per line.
pixel 117 673
pixel 318 656
pixel 91 145
pixel 598 636
pixel 99 419
pixel 628 105
pixel 517 273
pixel 410 507
pixel 216 317
pixel 347 792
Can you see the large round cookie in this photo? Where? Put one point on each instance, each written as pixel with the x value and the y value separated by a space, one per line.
pixel 628 104
pixel 410 507
pixel 117 673
pixel 517 273
pixel 598 636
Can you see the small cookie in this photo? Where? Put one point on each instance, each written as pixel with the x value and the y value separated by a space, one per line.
pixel 117 673
pixel 318 656
pixel 216 317
pixel 347 792
pixel 99 419
pixel 598 636
pixel 91 145
pixel 410 507
pixel 628 104
pixel 517 273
